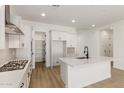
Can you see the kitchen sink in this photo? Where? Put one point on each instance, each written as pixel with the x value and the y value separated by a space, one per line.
pixel 81 58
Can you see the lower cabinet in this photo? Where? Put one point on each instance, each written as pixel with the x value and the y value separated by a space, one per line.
pixel 29 72
pixel 25 82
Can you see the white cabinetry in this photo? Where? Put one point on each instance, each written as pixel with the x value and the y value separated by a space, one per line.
pixel 13 41
pixel 2 26
pixel 57 35
pixel 23 83
pixel 16 41
pixel 26 77
pixel 71 40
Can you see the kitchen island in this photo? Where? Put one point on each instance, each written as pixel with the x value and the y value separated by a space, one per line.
pixel 77 73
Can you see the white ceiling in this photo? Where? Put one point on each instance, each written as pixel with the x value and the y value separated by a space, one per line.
pixel 85 15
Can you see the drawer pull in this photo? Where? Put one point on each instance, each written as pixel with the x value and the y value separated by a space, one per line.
pixel 22 84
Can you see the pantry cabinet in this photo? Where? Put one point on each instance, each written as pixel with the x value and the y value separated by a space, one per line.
pixel 2 26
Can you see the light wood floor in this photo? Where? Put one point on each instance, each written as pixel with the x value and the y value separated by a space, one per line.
pixel 43 77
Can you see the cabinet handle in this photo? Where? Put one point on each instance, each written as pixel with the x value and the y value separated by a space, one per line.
pixel 22 84
pixel 28 74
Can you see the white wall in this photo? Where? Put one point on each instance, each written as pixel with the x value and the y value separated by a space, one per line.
pixel 6 54
pixel 119 44
pixel 90 39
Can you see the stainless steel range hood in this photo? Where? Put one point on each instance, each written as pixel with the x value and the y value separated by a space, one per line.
pixel 10 28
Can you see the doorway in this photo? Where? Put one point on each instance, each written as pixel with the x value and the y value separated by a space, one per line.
pixel 40 47
pixel 106 43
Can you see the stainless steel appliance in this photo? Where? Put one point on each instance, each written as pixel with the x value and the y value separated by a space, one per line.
pixel 10 27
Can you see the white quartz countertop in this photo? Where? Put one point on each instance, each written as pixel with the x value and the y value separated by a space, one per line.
pixel 73 61
pixel 12 79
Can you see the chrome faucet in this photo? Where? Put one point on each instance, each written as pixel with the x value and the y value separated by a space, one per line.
pixel 86 52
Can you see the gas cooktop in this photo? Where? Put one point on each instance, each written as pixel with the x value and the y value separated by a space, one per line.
pixel 14 65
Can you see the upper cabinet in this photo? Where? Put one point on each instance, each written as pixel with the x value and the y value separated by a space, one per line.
pixel 57 35
pixel 70 38
pixel 16 41
pixel 2 26
pixel 13 41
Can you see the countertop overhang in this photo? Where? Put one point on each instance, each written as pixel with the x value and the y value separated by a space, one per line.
pixel 73 61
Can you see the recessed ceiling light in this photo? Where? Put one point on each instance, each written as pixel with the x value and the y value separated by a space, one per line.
pixel 93 25
pixel 73 21
pixel 43 14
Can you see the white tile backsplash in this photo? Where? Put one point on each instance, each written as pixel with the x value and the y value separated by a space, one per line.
pixel 6 55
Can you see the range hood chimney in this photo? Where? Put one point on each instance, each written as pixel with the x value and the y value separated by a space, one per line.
pixel 10 28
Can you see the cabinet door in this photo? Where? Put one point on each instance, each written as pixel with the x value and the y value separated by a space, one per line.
pixel 64 36
pixel 71 40
pixel 14 41
pixel 2 26
pixel 21 41
pixel 74 40
pixel 68 42
pixel 59 35
pixel 10 41
pixel 54 35
pixel 23 83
